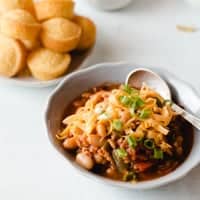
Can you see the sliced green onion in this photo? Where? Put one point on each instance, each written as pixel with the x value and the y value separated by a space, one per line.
pixel 139 102
pixel 125 100
pixel 120 165
pixel 129 90
pixel 129 176
pixel 145 113
pixel 167 102
pixel 139 139
pixel 132 142
pixel 149 144
pixel 158 154
pixel 133 108
pixel 121 153
pixel 117 125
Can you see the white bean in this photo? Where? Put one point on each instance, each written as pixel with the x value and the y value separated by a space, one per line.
pixel 111 172
pixel 94 140
pixel 101 130
pixel 70 143
pixel 84 160
pixel 125 116
pixel 98 158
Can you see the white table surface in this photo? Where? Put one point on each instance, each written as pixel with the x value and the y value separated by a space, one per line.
pixel 144 33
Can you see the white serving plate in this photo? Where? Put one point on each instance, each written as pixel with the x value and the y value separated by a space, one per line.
pixel 76 83
pixel 79 61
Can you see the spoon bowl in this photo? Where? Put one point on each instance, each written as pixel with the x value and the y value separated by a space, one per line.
pixel 138 77
pixel 141 75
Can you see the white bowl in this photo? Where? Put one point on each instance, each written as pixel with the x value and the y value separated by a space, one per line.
pixel 74 84
pixel 109 4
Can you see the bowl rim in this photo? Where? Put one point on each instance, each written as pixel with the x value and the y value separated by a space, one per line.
pixel 154 183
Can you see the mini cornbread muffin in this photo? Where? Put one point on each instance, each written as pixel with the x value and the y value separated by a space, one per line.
pixel 47 9
pixel 88 36
pixel 30 44
pixel 60 35
pixel 7 5
pixel 12 56
pixel 47 30
pixel 19 24
pixel 45 64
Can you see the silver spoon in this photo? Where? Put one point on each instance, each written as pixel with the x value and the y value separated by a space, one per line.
pixel 141 75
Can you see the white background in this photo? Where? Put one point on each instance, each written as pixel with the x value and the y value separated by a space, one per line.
pixel 145 33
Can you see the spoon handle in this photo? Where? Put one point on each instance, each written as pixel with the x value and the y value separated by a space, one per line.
pixel 195 121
